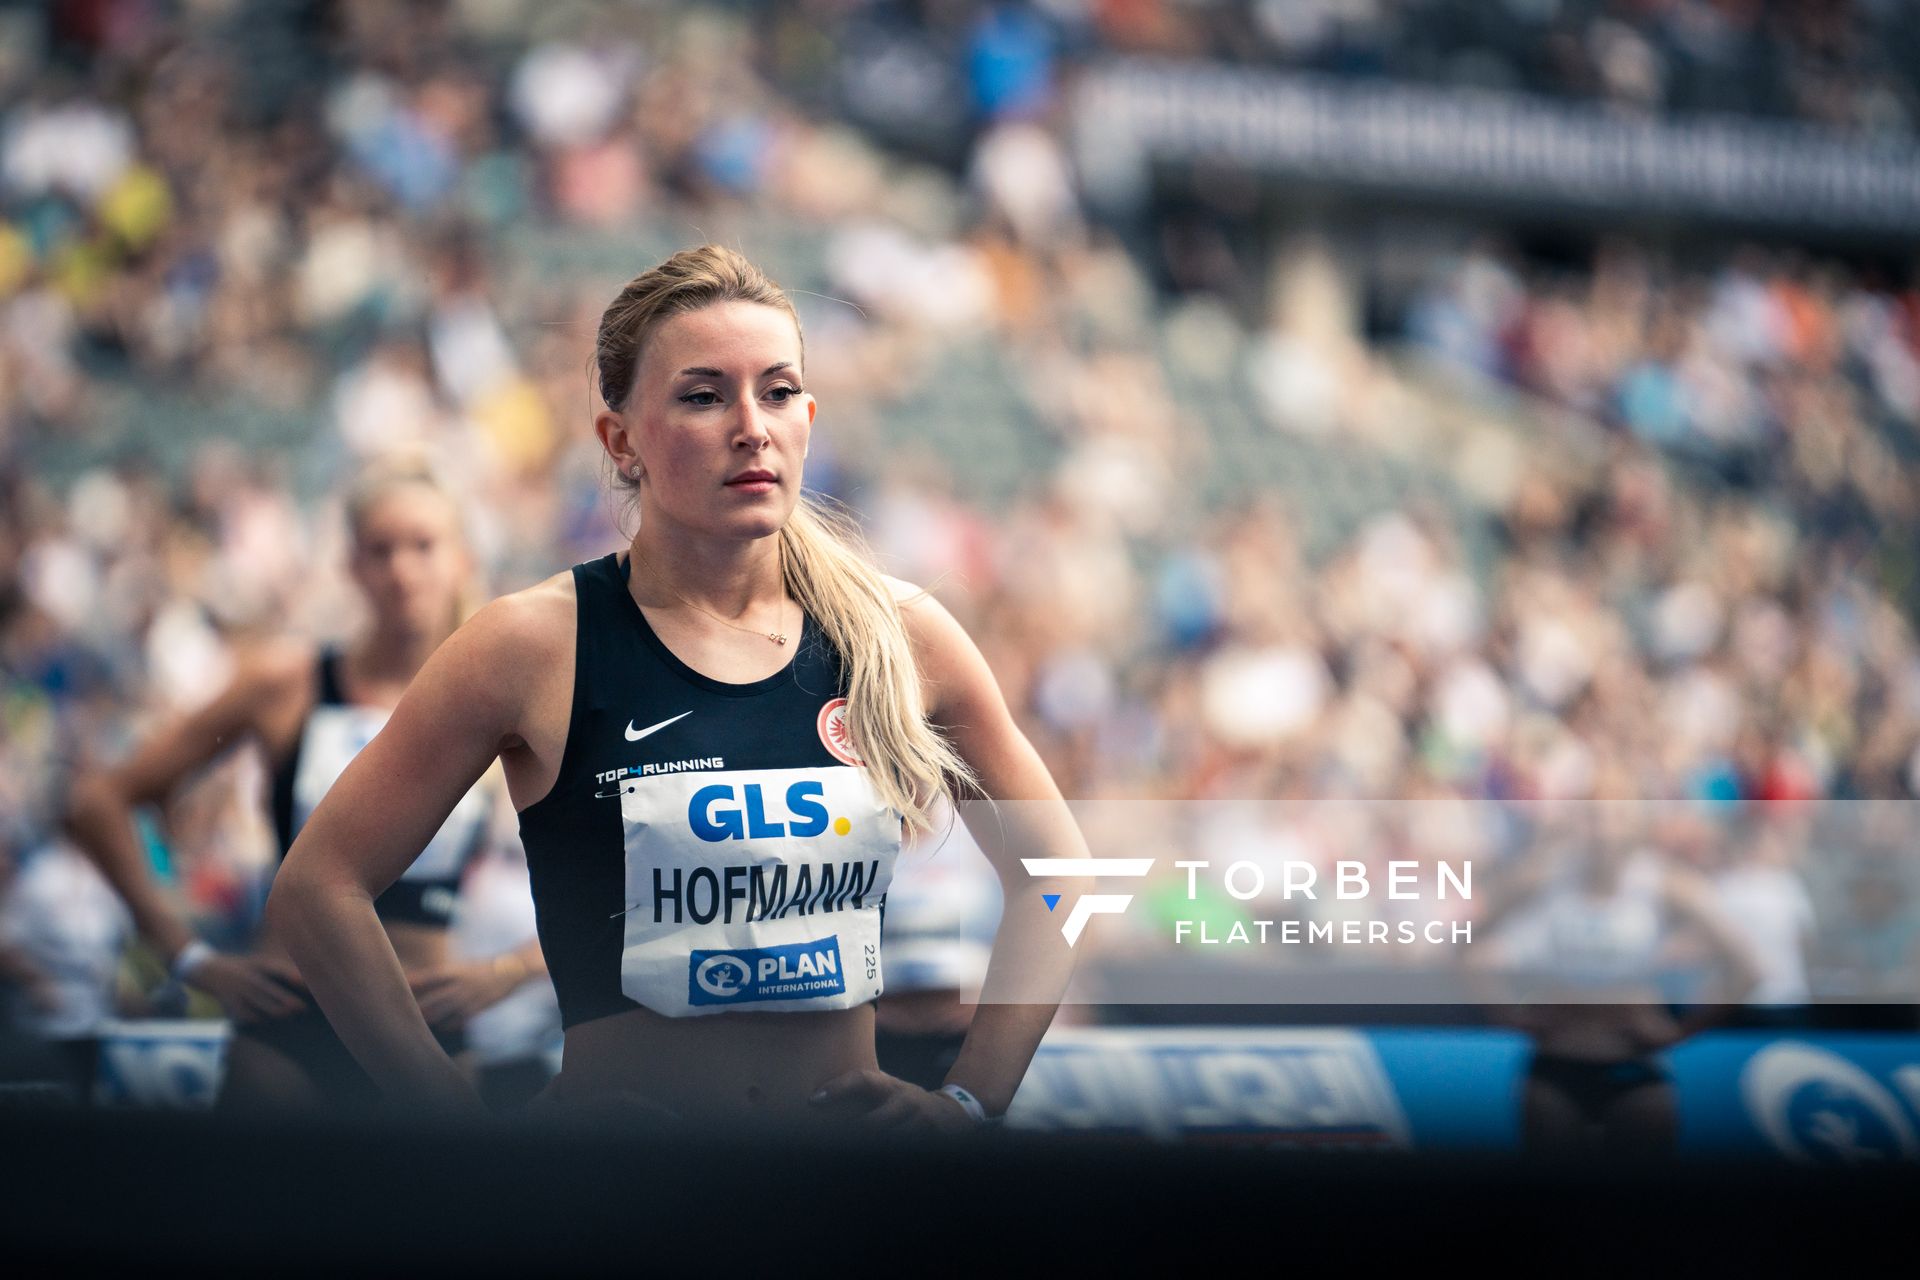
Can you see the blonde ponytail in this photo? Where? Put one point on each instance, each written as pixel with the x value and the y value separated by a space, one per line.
pixel 827 566
pixel 829 572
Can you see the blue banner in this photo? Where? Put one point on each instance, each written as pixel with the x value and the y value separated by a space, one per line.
pixel 1832 1098
pixel 160 1063
pixel 1841 1097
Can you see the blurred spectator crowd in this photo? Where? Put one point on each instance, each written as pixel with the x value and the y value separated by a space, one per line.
pixel 1848 66
pixel 318 210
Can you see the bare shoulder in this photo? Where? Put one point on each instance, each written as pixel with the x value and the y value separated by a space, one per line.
pixel 532 625
pixel 905 592
pixel 953 673
pixel 930 625
pixel 492 676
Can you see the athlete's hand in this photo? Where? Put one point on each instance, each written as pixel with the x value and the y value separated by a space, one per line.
pixel 36 984
pixel 449 994
pixel 1654 1028
pixel 873 1099
pixel 42 992
pixel 250 988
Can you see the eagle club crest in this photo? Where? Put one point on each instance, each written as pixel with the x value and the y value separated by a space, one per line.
pixel 834 734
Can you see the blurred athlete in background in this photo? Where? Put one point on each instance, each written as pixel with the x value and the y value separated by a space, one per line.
pixel 513 1047
pixel 312 710
pixel 1597 941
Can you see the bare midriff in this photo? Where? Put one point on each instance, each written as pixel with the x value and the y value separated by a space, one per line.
pixel 728 1066
pixel 1602 1032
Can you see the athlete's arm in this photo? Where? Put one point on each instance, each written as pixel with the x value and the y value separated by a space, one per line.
pixel 1501 961
pixel 461 711
pixel 1691 898
pixel 17 969
pixel 99 818
pixel 1031 962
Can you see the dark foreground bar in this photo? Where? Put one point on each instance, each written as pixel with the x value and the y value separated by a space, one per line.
pixel 207 1194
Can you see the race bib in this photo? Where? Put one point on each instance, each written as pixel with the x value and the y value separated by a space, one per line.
pixel 755 889
pixel 334 736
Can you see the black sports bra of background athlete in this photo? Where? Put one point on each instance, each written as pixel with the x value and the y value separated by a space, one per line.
pixel 332 733
pixel 637 706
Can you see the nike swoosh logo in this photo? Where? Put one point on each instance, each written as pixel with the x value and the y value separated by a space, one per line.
pixel 634 735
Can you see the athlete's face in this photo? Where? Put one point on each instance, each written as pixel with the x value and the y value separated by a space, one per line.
pixel 409 559
pixel 718 419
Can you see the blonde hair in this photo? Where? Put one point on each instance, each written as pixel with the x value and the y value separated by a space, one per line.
pixel 385 473
pixel 825 561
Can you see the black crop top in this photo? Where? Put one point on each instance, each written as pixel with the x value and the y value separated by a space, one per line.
pixel 706 846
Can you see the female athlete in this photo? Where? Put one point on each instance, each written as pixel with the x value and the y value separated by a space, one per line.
pixel 1597 942
pixel 714 739
pixel 311 711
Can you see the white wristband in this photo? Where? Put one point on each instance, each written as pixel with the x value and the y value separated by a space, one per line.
pixel 188 962
pixel 970 1103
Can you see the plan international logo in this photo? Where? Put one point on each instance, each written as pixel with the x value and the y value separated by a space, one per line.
pixel 1092 904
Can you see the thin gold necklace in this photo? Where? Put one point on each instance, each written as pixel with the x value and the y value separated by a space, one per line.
pixel 778 637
